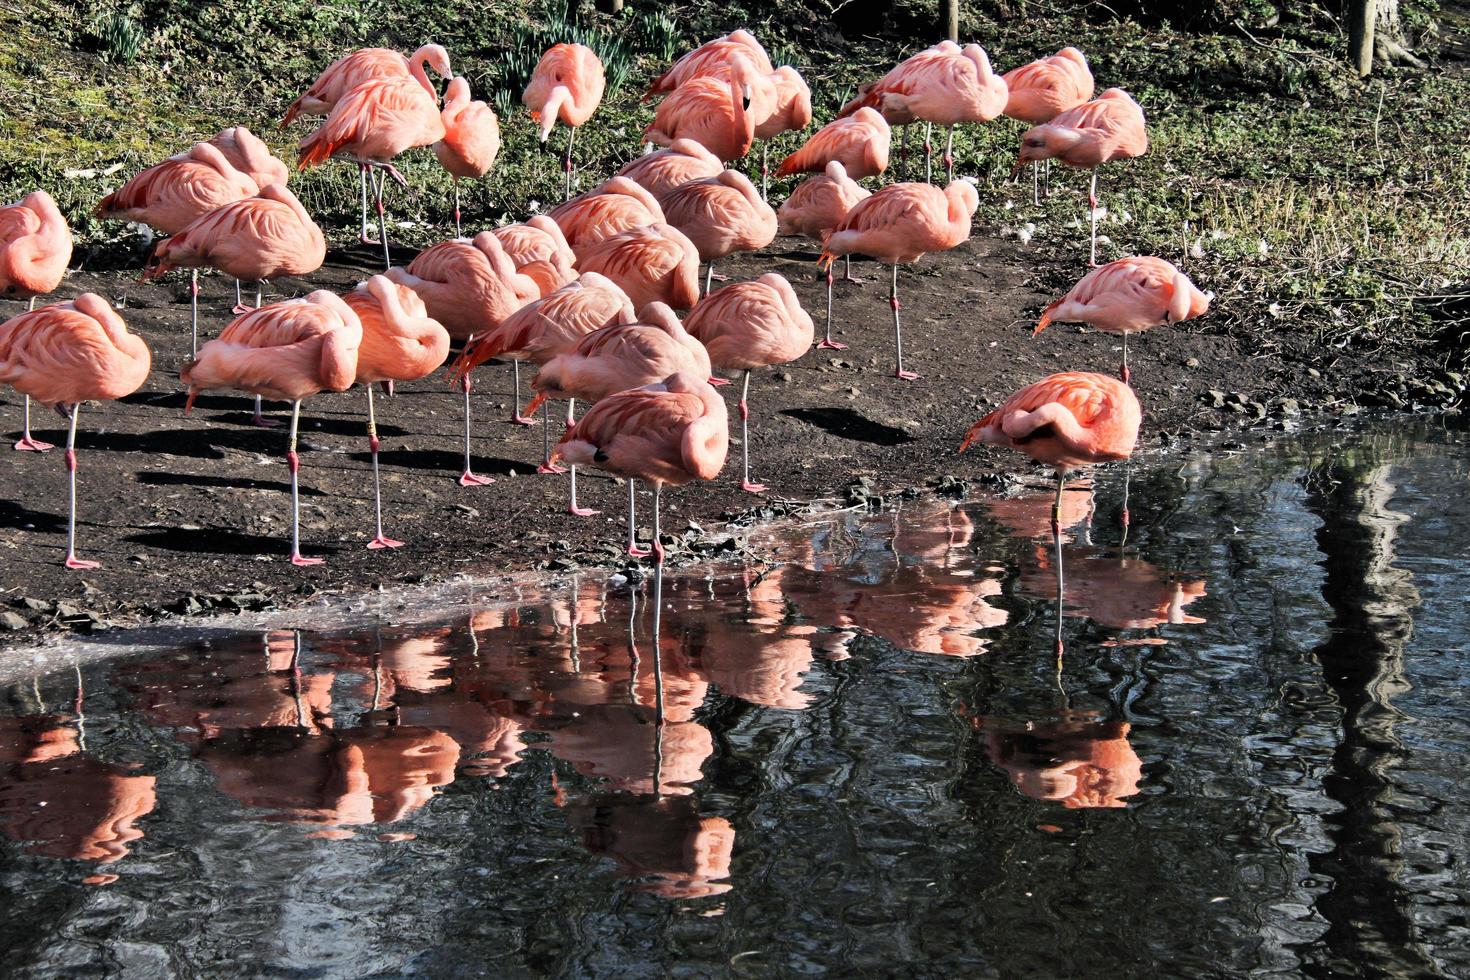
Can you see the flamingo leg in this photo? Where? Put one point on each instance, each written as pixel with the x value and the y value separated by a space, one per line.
pixel 573 508
pixel 1035 182
pixel 567 164
pixel 194 312
pixel 515 405
pixel 259 420
pixel 1125 374
pixel 898 372
pixel 745 483
pixel 765 167
pixel 949 154
pixel 903 153
pixel 380 184
pixel 1092 214
pixel 380 540
pixel 847 275
pixel 469 478
pixel 1046 179
pixel 928 153
pixel 1126 518
pixel 362 175
pixel 294 461
pixel 26 443
pixel 455 181
pixel 709 275
pixel 633 550
pixel 239 309
pixel 546 465
pixel 72 561
pixel 827 343
pixel 658 540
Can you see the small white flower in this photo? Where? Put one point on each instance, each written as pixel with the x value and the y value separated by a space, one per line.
pixel 1263 247
pixel 1009 205
pixel 1217 234
pixel 1197 250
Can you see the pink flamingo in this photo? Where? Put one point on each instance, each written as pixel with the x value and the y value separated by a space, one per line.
pixel 816 207
pixel 899 224
pixel 249 155
pixel 400 342
pixel 469 287
pixel 614 206
pixel 471 138
pixel 708 58
pixel 285 351
pixel 1110 127
pixel 860 142
pixel 566 84
pixel 539 250
pixel 618 357
pixel 545 328
pixel 35 248
pixel 748 325
pixel 65 354
pixel 1129 295
pixel 791 113
pixel 668 433
pixel 715 112
pixel 1043 89
pixel 370 125
pixel 656 263
pixel 680 162
pixel 721 216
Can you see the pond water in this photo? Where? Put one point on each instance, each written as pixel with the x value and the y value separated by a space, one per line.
pixel 1248 758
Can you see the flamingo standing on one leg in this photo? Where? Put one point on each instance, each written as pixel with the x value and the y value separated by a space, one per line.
pixel 748 325
pixel 792 113
pixel 471 138
pixel 860 142
pixel 897 225
pixel 285 351
pixel 678 163
pixel 566 84
pixel 707 58
pixel 258 238
pixel 1126 296
pixel 816 207
pixel 1043 89
pixel 545 328
pixel 400 342
pixel 653 264
pixel 35 247
pixel 715 112
pixel 619 357
pixel 68 353
pixel 721 216
pixel 1110 127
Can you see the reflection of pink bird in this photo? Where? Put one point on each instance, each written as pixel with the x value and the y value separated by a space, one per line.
pixel 656 263
pixel 1127 295
pixel 714 112
pixel 661 842
pixel 1077 761
pixel 471 137
pixel 566 84
pixel 35 247
pixel 791 114
pixel 859 142
pixel 721 215
pixel 816 207
pixel 706 59
pixel 748 325
pixel 619 357
pixel 68 353
pixel 1110 127
pixel 899 224
pixel 1064 421
pixel 363 65
pixel 672 432
pixel 77 808
pixel 400 342
pixel 612 207
pixel 1119 593
pixel 678 163
pixel 285 351
pixel 1045 88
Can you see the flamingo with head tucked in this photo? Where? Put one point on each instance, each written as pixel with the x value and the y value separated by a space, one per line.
pixel 791 113
pixel 566 84
pixel 816 207
pixel 860 142
pixel 35 247
pixel 716 112
pixel 655 263
pixel 616 205
pixel 1041 90
pixel 721 216
pixel 678 163
pixel 471 138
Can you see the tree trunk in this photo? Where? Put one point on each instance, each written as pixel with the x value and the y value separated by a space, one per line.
pixel 1362 19
pixel 949 11
pixel 1375 31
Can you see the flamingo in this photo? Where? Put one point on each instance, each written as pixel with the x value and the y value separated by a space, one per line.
pixel 1110 127
pixel 286 351
pixel 566 84
pixel 539 250
pixel 1043 89
pixel 791 113
pixel 249 155
pixel 469 287
pixel 371 125
pixel 721 216
pixel 352 70
pixel 545 328
pixel 1128 295
pixel 816 207
pixel 35 248
pixel 708 56
pixel 715 112
pixel 893 115
pixel 471 138
pixel 618 357
pixel 899 224
pixel 65 354
pixel 748 325
pixel 1064 421
pixel 860 142
pixel 678 163
pixel 400 342
pixel 614 206
pixel 656 263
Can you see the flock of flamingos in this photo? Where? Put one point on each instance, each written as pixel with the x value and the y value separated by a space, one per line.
pixel 589 291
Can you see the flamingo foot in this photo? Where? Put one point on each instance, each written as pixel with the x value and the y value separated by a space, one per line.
pixel 519 419
pixel 719 277
pixel 852 278
pixel 26 444
pixel 550 468
pixel 831 345
pixel 261 422
pixel 905 375
pixel 636 552
pixel 576 511
pixel 470 479
pixel 240 309
pixel 1126 375
pixel 749 487
pixel 364 239
pixel 717 382
pixel 383 541
pixel 301 561
pixel 72 561
pixel 569 423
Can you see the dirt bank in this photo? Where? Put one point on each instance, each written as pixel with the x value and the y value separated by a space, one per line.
pixel 189 515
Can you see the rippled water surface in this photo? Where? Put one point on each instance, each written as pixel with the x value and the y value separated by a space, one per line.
pixel 1249 758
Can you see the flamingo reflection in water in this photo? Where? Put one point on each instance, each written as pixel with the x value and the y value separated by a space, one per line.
pixel 1076 760
pixel 664 841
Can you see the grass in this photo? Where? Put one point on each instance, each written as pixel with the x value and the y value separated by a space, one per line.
pixel 1305 199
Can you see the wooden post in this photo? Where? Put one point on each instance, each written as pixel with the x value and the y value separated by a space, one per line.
pixel 1362 19
pixel 950 13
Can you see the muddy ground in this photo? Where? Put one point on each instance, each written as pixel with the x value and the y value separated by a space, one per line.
pixel 190 515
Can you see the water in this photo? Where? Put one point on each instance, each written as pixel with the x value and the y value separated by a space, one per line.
pixel 1248 760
